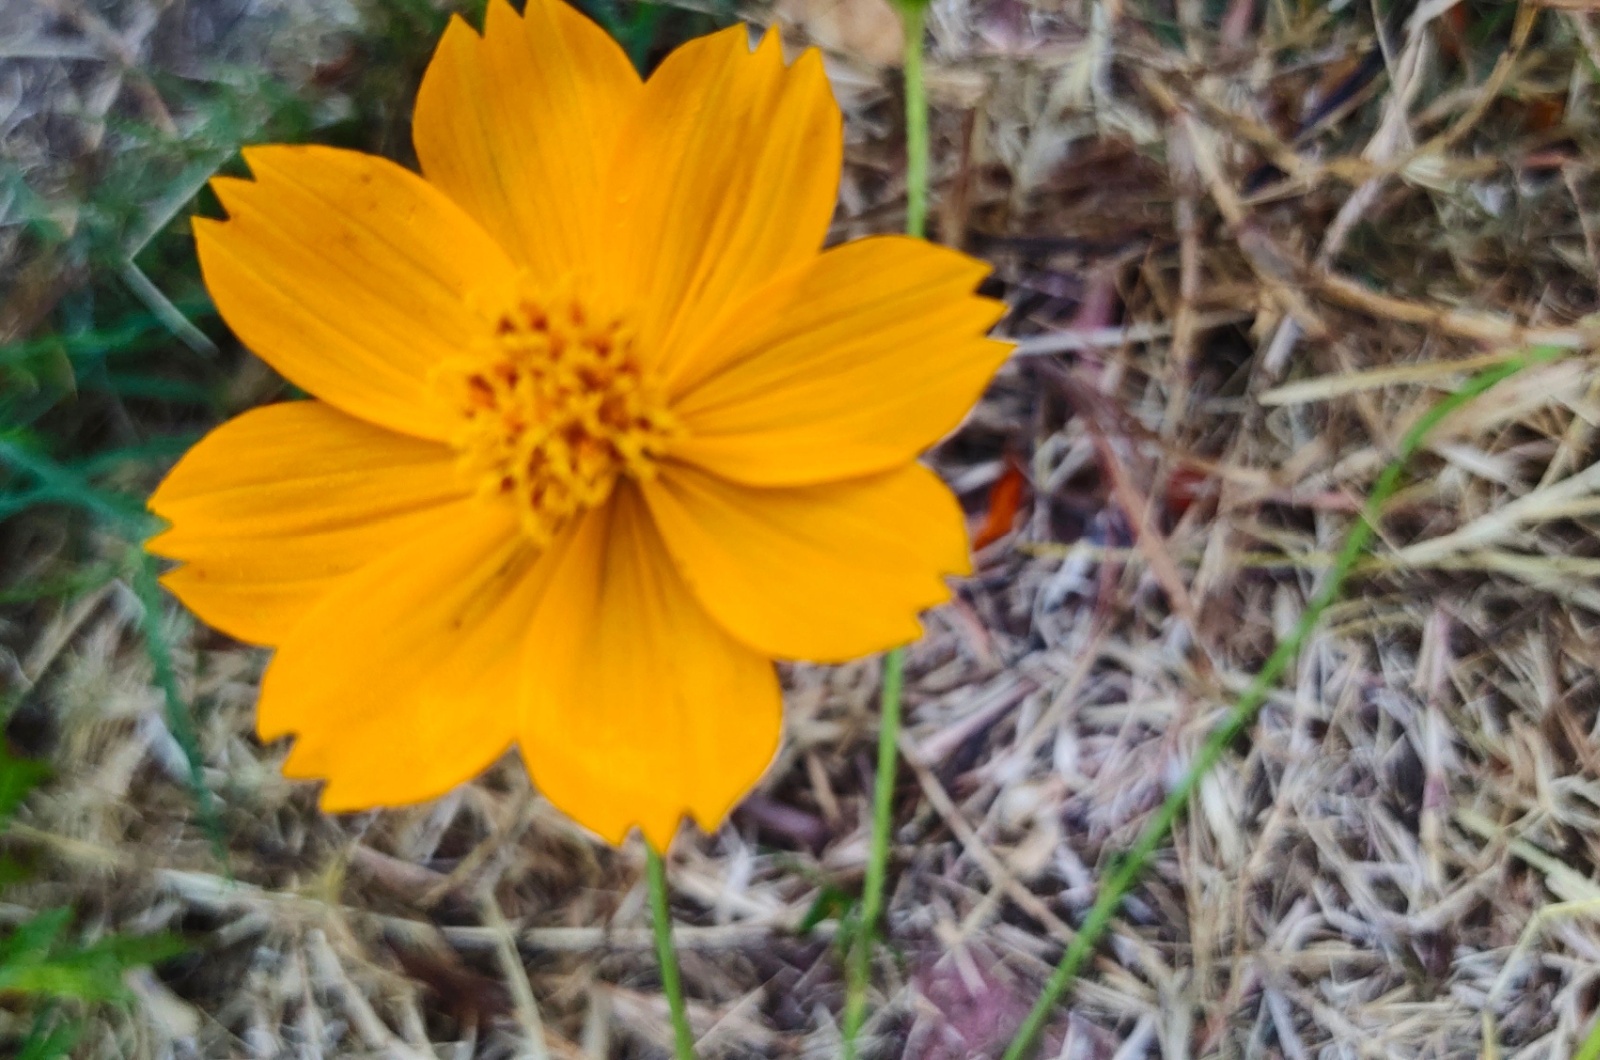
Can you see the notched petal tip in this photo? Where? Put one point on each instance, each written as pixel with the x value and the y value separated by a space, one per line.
pixel 343 799
pixel 738 33
pixel 824 573
pixel 997 309
pixel 350 275
pixel 638 708
pixel 204 229
pixel 656 829
pixel 807 59
pixel 660 833
pixel 517 125
pixel 457 25
pixel 768 45
pixel 936 263
pixel 271 732
pixel 261 157
pixel 160 544
pixel 251 153
pixel 729 176
pixel 268 164
pixel 232 193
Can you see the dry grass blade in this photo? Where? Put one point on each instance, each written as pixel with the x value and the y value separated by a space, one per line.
pixel 1259 240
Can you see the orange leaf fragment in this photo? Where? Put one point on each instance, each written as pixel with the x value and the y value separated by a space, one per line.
pixel 1005 499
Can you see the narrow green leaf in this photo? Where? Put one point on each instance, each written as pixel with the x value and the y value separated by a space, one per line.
pixel 30 942
pixel 34 960
pixel 18 776
pixel 179 719
pixel 49 1039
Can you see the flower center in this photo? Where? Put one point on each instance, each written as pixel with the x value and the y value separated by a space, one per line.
pixel 555 405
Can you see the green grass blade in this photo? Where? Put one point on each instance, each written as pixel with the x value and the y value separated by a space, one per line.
pixel 49 1039
pixel 1131 866
pixel 179 719
pixel 62 485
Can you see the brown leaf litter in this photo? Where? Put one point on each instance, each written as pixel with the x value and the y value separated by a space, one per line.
pixel 1245 246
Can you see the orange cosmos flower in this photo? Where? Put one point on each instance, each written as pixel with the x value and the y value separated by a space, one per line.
pixel 600 430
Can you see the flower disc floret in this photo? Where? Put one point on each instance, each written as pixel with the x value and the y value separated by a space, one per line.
pixel 554 405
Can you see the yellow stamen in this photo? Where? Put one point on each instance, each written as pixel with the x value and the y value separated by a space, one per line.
pixel 555 406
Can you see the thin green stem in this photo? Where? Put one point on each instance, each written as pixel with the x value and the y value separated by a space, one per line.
pixel 859 972
pixel 855 1009
pixel 671 984
pixel 913 15
pixel 1590 1049
pixel 1131 866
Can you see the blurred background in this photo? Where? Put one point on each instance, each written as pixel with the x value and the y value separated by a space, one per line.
pixel 1245 243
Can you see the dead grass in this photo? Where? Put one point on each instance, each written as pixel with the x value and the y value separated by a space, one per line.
pixel 1245 244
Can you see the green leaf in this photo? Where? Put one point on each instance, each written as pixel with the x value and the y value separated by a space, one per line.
pixel 30 943
pixel 63 587
pixel 35 961
pixel 12 871
pixel 834 904
pixel 60 484
pixel 155 388
pixel 18 776
pixel 48 1039
pixel 831 903
pixel 163 448
pixel 179 721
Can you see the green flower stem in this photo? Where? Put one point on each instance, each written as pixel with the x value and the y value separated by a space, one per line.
pixel 860 971
pixel 1590 1049
pixel 913 14
pixel 1130 867
pixel 671 984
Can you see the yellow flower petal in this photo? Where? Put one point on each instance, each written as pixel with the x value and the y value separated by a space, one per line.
pixel 726 176
pixel 270 510
pixel 849 366
pixel 826 573
pixel 637 707
pixel 349 275
pixel 519 125
pixel 402 682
